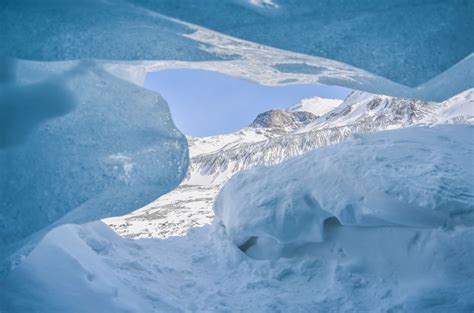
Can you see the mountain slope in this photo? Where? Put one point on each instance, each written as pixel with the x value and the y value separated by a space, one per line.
pixel 215 159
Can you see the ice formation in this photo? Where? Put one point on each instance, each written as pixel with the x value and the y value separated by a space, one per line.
pixel 415 51
pixel 403 42
pixel 80 140
pixel 79 144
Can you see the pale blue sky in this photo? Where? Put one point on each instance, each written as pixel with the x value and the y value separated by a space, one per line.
pixel 207 103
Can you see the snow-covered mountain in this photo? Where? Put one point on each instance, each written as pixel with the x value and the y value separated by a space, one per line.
pixel 273 137
pixel 316 105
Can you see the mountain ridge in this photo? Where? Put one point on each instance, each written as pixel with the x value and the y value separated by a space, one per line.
pixel 213 160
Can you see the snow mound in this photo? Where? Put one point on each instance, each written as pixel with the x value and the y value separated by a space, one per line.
pixel 413 177
pixel 88 268
pixel 70 152
pixel 403 262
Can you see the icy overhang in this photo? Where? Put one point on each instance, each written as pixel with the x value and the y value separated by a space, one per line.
pixel 407 41
pixel 386 47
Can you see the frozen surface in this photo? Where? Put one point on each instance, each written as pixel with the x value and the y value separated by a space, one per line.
pixel 418 259
pixel 94 144
pixel 79 144
pixel 397 48
pixel 406 42
pixel 316 105
pixel 413 177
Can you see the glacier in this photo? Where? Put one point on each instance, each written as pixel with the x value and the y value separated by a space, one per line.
pixel 79 144
pixel 82 140
pixel 422 51
pixel 409 43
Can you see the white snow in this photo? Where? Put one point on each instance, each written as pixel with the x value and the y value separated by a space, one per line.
pixel 415 258
pixel 457 107
pixel 215 159
pixel 316 105
pixel 80 141
pixel 413 177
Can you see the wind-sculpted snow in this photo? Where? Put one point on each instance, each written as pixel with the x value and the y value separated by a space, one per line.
pixel 413 177
pixel 78 144
pixel 406 243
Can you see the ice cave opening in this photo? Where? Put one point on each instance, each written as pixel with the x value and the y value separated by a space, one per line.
pixel 238 216
pixel 117 195
pixel 222 117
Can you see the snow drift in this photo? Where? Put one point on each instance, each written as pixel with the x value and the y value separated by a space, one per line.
pixel 415 257
pixel 414 177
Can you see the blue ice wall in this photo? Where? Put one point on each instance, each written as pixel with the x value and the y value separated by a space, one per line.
pixel 407 41
pixel 78 144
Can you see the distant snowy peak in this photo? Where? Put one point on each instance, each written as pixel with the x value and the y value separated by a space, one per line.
pixel 366 107
pixel 316 105
pixel 362 107
pixel 279 119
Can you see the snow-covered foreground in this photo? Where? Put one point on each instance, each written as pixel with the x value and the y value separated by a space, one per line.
pixel 413 256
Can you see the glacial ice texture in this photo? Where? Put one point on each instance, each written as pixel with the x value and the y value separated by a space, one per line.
pixel 407 42
pixel 400 48
pixel 78 144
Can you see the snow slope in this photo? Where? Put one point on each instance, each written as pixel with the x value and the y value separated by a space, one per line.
pixel 415 259
pixel 215 159
pixel 316 105
pixel 412 177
